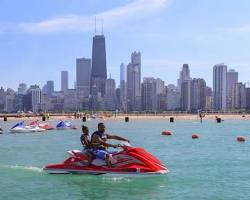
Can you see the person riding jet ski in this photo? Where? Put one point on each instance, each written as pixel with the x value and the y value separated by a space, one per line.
pixel 99 143
pixel 86 142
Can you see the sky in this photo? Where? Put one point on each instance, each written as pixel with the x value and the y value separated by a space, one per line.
pixel 39 39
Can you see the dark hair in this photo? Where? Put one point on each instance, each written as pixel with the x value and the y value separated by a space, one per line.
pixel 84 128
pixel 100 124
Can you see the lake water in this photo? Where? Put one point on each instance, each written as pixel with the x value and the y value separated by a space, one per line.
pixel 215 166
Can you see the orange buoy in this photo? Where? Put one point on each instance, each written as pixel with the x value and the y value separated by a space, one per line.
pixel 195 136
pixel 241 138
pixel 167 133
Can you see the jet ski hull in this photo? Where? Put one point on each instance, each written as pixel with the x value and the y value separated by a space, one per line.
pixel 26 130
pixel 105 173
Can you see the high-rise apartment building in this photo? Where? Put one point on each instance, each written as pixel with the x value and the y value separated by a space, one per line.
pixel 219 86
pixel 193 95
pixel 232 78
pixel 184 75
pixel 238 96
pixel 110 95
pixel 173 97
pixel 50 88
pixel 123 102
pixel 64 81
pixel 134 82
pixel 22 88
pixel 149 97
pixel 83 77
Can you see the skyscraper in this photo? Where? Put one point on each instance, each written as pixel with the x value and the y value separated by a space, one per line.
pixel 173 97
pixel 83 75
pixel 134 82
pixel 64 81
pixel 247 98
pixel 160 86
pixel 99 69
pixel 2 98
pixel 10 101
pixel 122 87
pixel 110 95
pixel 22 88
pixel 238 95
pixel 184 75
pixel 193 94
pixel 199 94
pixel 161 95
pixel 232 78
pixel 149 97
pixel 186 96
pixel 219 86
pixel 32 100
pixel 50 88
pixel 209 98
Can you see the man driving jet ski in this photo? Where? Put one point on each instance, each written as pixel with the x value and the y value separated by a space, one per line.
pixel 100 146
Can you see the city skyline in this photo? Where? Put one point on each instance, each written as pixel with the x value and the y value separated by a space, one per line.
pixel 167 33
pixel 94 91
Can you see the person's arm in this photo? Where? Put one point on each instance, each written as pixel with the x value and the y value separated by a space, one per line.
pixel 82 139
pixel 99 140
pixel 116 137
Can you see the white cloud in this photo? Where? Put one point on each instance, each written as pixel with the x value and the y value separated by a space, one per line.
pixel 131 11
pixel 242 29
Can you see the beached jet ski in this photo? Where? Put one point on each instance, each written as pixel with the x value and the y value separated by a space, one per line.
pixel 21 128
pixel 64 125
pixel 43 125
pixel 128 162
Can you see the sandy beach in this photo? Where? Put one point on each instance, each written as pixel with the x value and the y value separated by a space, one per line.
pixel 136 117
pixel 182 117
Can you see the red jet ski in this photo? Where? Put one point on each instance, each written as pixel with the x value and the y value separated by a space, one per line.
pixel 128 162
pixel 43 126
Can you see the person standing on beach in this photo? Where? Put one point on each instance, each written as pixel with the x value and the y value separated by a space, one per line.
pixel 99 143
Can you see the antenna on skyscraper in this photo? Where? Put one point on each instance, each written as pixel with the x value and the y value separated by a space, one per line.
pixel 95 25
pixel 102 26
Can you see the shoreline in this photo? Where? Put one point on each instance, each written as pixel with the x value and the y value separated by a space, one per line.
pixel 135 117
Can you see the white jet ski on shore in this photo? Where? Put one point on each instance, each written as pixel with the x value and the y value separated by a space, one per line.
pixel 21 128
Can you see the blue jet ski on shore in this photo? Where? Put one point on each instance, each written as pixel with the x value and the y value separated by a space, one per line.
pixel 65 125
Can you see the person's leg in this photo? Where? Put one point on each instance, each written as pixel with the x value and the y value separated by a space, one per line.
pixel 90 157
pixel 104 155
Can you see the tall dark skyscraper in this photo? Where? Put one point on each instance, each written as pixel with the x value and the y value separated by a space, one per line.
pixel 99 69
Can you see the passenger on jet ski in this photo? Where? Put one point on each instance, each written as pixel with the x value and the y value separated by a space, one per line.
pixel 100 145
pixel 86 142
